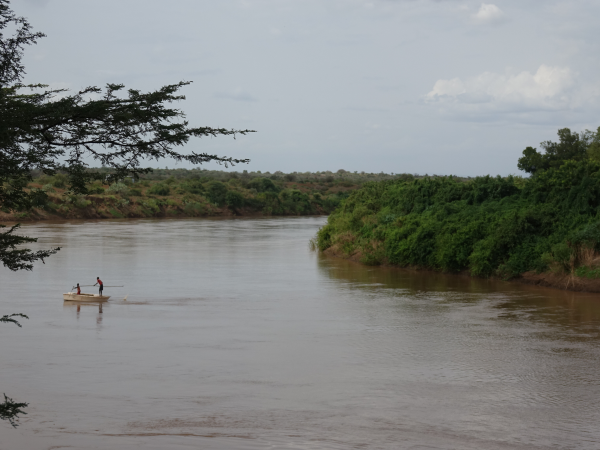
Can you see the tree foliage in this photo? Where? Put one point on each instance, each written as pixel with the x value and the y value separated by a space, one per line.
pixel 488 225
pixel 570 146
pixel 10 410
pixel 9 319
pixel 16 258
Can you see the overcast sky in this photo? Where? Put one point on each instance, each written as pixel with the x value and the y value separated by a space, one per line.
pixel 423 86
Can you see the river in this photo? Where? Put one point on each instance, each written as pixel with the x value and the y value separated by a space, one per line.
pixel 236 336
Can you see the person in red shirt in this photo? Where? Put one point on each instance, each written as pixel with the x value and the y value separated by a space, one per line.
pixel 78 289
pixel 101 285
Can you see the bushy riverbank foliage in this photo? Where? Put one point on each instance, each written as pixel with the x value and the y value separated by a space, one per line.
pixel 182 192
pixel 486 225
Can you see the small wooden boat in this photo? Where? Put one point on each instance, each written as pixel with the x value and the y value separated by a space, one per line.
pixel 92 298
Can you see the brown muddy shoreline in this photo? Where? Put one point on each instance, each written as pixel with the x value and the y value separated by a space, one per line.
pixel 564 282
pixel 40 215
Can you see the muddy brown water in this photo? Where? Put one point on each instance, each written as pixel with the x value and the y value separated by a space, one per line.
pixel 235 336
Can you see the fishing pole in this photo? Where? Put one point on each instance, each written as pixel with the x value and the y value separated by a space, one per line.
pixel 92 285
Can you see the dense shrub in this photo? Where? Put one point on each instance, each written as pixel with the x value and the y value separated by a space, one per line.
pixel 118 188
pixel 216 192
pixel 263 185
pixel 159 189
pixel 294 201
pixel 194 209
pixel 59 181
pixel 79 201
pixel 503 226
pixel 193 186
pixel 96 189
pixel 234 199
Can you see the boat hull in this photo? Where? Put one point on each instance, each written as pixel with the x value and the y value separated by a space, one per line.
pixel 71 297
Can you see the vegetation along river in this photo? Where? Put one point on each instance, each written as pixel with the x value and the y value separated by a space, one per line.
pixel 236 336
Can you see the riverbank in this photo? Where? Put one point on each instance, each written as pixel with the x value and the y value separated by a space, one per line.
pixel 193 193
pixel 562 281
pixel 115 208
pixel 181 193
pixel 542 230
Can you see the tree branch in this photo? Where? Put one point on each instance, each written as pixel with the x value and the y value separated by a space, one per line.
pixel 10 410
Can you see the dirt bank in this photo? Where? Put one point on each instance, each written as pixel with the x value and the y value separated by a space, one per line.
pixel 565 282
pixel 99 211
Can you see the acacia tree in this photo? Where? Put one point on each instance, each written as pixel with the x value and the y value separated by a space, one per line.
pixel 570 146
pixel 57 131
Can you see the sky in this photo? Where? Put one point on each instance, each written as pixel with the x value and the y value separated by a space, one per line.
pixel 403 86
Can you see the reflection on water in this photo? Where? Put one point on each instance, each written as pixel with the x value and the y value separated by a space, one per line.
pixel 72 304
pixel 235 336
pixel 520 302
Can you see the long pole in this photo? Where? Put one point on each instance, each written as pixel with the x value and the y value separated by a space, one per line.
pixel 92 285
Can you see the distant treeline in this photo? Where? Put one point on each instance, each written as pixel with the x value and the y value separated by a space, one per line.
pixel 341 175
pixel 486 225
pixel 302 177
pixel 199 192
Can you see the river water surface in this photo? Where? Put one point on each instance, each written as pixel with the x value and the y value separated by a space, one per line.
pixel 236 336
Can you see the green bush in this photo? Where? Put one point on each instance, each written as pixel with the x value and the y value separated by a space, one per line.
pixel 234 199
pixel 59 181
pixel 43 179
pixel 193 187
pixel 151 205
pixel 216 192
pixel 194 209
pixel 39 198
pixel 263 185
pixel 96 188
pixel 488 225
pixel 118 188
pixel 159 189
pixel 79 201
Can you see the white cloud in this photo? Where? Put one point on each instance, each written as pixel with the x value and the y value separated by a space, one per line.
pixel 451 87
pixel 489 14
pixel 548 88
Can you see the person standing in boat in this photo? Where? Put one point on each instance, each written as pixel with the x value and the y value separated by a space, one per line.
pixel 78 289
pixel 101 285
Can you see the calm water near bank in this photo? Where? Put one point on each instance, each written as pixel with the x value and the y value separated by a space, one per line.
pixel 235 336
